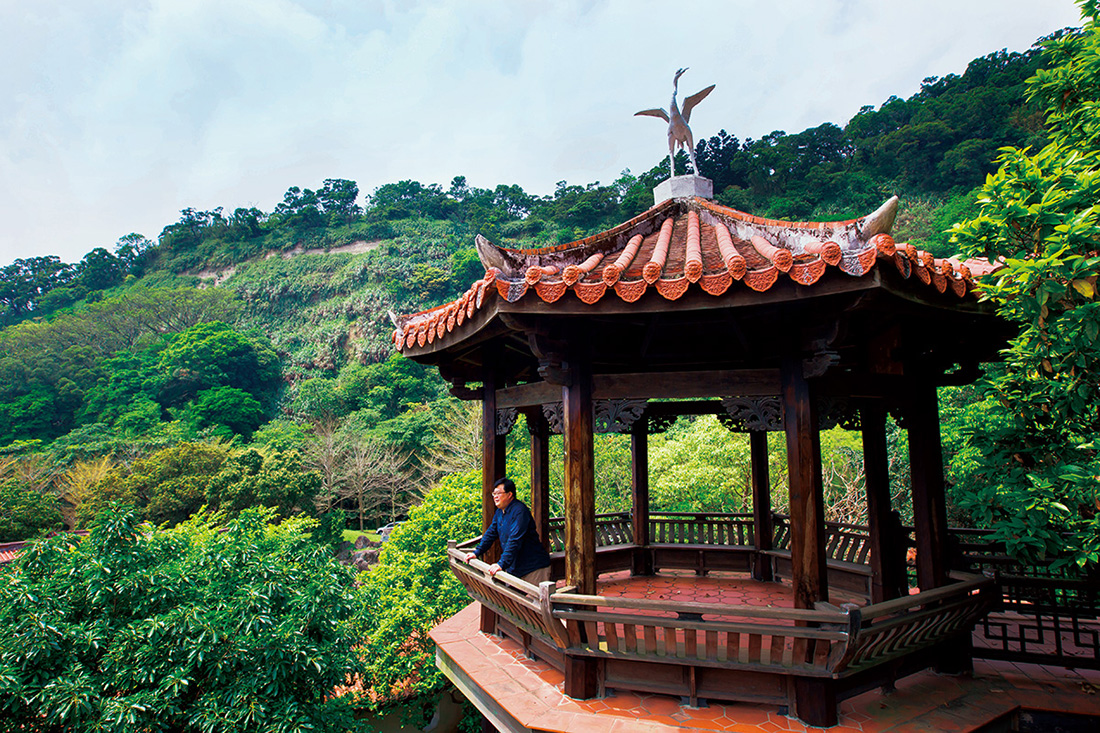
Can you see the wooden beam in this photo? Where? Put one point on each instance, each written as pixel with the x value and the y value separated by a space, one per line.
pixel 807 504
pixel 687 385
pixel 929 498
pixel 580 487
pixel 761 504
pixel 528 395
pixel 654 386
pixel 886 552
pixel 540 473
pixel 642 562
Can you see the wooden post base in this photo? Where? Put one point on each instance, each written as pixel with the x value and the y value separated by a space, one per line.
pixel 815 702
pixel 488 623
pixel 641 562
pixel 581 681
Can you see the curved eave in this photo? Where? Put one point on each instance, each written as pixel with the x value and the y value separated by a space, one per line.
pixel 429 338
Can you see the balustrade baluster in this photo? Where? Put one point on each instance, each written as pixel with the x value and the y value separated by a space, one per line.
pixel 630 635
pixel 733 647
pixel 691 644
pixel 610 630
pixel 711 651
pixel 754 648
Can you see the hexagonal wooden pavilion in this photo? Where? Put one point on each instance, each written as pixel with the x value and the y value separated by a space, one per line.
pixel 695 308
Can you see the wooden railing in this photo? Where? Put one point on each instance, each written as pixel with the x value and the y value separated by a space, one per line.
pixel 611 529
pixel 823 642
pixel 524 604
pixel 896 628
pixel 844 542
pixel 756 637
pixel 701 529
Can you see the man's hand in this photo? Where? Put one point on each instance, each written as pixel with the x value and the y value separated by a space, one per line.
pixel 470 556
pixel 494 569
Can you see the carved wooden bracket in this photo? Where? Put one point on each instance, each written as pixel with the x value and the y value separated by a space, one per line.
pixel 555 417
pixel 550 352
pixel 819 363
pixel 617 416
pixel 753 413
pixel 506 420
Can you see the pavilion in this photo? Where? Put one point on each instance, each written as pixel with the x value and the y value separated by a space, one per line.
pixel 794 327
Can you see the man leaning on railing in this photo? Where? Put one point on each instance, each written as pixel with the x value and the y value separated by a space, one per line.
pixel 522 553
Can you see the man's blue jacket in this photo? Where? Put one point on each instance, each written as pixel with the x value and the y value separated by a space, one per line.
pixel 521 550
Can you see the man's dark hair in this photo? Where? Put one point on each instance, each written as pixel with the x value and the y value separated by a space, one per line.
pixel 509 486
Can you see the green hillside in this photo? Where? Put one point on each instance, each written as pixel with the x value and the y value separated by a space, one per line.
pixel 270 328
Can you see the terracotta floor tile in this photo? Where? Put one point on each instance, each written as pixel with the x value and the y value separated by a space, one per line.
pixel 661 705
pixel 705 724
pixel 551 676
pixel 623 702
pixel 748 712
pixel 771 727
pixel 712 713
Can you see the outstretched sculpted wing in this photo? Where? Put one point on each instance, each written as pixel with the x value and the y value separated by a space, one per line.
pixel 655 113
pixel 693 100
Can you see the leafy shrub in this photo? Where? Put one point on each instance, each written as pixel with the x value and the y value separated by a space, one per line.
pixel 189 629
pixel 25 513
pixel 411 589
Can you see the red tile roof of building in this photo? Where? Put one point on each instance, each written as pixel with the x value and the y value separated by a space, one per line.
pixel 682 244
pixel 9 551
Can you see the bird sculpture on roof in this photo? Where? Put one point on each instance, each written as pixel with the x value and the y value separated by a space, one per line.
pixel 679 134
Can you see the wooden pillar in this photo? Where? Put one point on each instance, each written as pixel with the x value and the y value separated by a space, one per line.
pixel 926 472
pixel 642 561
pixel 762 529
pixel 581 673
pixel 492 468
pixel 807 504
pixel 887 559
pixel 580 487
pixel 540 473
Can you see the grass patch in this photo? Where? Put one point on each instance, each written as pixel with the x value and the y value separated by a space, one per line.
pixel 351 535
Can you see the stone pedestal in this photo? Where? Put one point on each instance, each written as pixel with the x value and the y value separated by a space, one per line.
pixel 683 187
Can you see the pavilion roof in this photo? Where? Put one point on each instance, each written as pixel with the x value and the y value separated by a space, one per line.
pixel 680 245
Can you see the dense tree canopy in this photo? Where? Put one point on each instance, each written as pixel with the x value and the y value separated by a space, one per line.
pixel 184 630
pixel 1035 471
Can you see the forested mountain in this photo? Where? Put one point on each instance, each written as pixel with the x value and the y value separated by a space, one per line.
pixel 242 363
pixel 270 329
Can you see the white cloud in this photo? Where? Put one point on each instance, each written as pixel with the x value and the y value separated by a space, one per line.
pixel 120 114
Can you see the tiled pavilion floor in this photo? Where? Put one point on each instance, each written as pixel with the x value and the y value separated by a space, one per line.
pixel 529 692
pixel 717 589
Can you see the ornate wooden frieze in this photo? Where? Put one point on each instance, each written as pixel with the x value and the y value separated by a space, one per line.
pixel 753 413
pixel 555 416
pixel 617 416
pixel 608 416
pixel 506 419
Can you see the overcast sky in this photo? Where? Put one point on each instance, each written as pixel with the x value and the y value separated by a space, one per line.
pixel 116 114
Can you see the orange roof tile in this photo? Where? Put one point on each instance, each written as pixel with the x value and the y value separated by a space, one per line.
pixel 685 243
